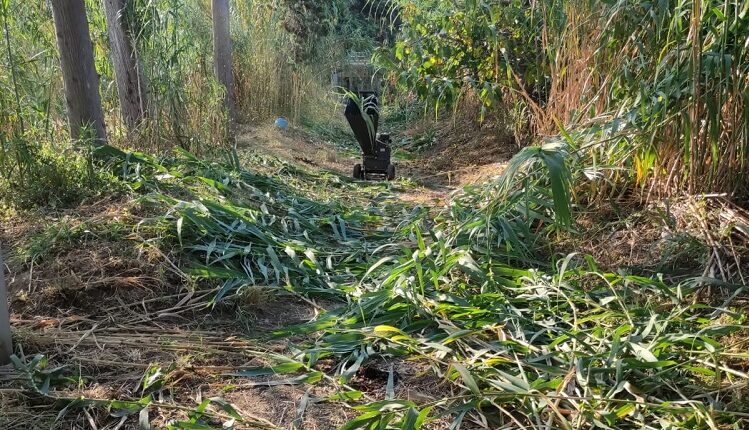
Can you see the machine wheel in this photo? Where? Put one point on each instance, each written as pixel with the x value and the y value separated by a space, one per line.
pixel 358 173
pixel 391 172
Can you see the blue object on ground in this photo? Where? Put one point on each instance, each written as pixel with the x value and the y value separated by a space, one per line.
pixel 282 123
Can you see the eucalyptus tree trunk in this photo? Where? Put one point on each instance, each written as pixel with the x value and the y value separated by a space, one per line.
pixel 78 70
pixel 222 54
pixel 130 83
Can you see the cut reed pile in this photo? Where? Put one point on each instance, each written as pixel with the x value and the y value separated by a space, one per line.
pixel 514 337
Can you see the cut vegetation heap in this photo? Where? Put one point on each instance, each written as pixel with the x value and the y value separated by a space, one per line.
pixel 516 342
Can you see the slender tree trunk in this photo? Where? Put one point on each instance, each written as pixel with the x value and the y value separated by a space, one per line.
pixel 222 54
pixel 6 340
pixel 130 84
pixel 78 70
pixel 12 66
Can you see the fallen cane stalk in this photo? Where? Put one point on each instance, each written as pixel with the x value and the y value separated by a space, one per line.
pixel 253 419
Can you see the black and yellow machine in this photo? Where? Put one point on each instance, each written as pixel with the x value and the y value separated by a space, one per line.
pixel 363 115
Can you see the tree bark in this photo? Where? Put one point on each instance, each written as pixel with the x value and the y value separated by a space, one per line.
pixel 130 83
pixel 78 70
pixel 222 54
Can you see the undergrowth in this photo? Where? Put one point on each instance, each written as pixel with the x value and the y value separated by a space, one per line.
pixel 55 179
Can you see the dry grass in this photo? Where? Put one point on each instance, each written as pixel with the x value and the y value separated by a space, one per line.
pixel 296 147
pixel 79 257
pixel 460 149
pixel 690 236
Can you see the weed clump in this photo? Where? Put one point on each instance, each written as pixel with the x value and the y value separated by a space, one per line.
pixel 54 179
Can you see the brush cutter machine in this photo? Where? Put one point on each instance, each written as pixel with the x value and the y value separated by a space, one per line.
pixel 363 116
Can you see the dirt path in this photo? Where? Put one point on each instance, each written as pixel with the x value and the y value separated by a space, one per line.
pixel 432 176
pixel 295 147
